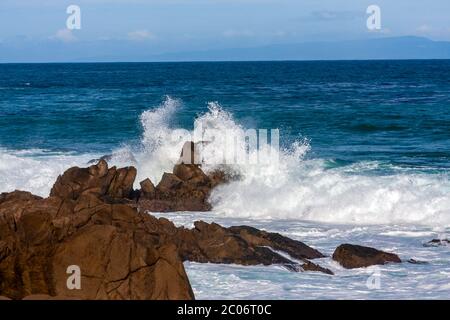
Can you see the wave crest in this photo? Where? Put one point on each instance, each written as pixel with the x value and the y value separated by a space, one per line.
pixel 292 187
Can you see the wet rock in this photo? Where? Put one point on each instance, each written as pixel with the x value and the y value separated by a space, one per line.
pixel 414 261
pixel 296 249
pixel 147 189
pixel 124 155
pixel 354 256
pixel 90 220
pixel 169 183
pixel 97 179
pixel 221 176
pixel 210 242
pixel 106 158
pixel 192 174
pixel 17 196
pixel 4 250
pixel 309 266
pixel 118 253
pixel 40 297
pixel 187 188
pixel 437 243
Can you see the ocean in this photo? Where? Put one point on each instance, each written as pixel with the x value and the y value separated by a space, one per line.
pixel 364 156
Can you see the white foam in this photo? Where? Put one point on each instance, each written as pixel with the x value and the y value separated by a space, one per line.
pixel 292 188
pixel 309 191
pixel 397 281
pixel 295 188
pixel 160 148
pixel 35 170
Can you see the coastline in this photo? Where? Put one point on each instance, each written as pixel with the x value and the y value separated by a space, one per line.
pixel 89 208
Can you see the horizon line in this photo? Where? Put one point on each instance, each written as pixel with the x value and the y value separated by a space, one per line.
pixel 225 61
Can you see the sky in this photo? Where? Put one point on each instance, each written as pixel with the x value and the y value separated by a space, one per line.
pixel 37 29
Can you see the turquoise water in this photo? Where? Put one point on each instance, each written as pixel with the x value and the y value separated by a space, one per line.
pixel 396 112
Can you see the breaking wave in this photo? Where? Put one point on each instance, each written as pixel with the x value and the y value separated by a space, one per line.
pixel 293 187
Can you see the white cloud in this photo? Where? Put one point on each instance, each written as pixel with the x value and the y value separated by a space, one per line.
pixel 329 15
pixel 64 35
pixel 279 33
pixel 141 35
pixel 238 33
pixel 424 28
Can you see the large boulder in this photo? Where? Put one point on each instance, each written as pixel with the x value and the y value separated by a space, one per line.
pixel 353 256
pixel 90 221
pixel 187 188
pixel 97 179
pixel 210 242
pixel 119 254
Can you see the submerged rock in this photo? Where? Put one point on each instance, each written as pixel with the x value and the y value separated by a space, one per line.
pixel 353 256
pixel 437 243
pixel 414 261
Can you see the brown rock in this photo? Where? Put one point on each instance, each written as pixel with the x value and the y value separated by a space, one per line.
pixel 191 173
pixel 242 245
pixel 97 179
pixel 119 257
pixel 175 194
pixel 91 221
pixel 17 196
pixel 218 177
pixel 309 266
pixel 186 189
pixel 295 249
pixel 147 189
pixel 437 243
pixel 47 297
pixel 169 183
pixel 122 183
pixel 353 256
pixel 414 261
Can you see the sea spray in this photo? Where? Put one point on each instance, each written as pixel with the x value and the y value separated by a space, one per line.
pixel 35 170
pixel 296 186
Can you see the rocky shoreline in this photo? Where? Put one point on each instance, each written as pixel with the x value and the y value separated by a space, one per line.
pixel 94 219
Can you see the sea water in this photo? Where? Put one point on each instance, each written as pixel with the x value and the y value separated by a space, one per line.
pixel 364 157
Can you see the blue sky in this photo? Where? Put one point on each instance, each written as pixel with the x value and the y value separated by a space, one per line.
pixel 159 26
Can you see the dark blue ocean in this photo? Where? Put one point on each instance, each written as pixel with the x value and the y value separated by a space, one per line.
pixel 389 111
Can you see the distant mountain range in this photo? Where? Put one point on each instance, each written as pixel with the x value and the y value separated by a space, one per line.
pixel 381 48
pixel 119 51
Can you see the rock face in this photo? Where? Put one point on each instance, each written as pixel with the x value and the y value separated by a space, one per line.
pixel 353 256
pixel 118 253
pixel 241 245
pixel 97 180
pixel 91 221
pixel 185 189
